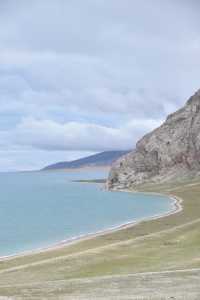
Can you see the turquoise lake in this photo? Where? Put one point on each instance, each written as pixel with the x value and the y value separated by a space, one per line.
pixel 43 208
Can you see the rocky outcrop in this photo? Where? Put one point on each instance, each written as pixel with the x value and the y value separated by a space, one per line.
pixel 170 152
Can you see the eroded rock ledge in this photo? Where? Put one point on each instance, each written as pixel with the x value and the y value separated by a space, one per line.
pixel 168 153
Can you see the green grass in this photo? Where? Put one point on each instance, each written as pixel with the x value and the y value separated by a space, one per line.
pixel 168 243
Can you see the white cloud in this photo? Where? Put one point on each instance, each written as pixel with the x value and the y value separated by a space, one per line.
pixel 92 75
pixel 76 136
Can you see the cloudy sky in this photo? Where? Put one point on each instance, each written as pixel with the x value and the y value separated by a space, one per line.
pixel 79 77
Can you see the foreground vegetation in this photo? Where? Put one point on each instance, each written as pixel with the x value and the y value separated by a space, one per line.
pixel 155 259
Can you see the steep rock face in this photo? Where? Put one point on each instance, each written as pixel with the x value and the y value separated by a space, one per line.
pixel 170 152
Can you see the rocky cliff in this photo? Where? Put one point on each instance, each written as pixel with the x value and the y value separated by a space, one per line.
pixel 170 152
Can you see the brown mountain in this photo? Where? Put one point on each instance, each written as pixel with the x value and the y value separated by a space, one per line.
pixel 170 152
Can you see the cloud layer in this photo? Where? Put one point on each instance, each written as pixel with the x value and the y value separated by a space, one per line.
pixel 75 136
pixel 91 75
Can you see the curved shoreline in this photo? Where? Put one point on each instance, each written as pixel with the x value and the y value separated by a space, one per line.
pixel 176 208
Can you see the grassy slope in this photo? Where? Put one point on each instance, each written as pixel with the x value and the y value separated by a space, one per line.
pixel 168 243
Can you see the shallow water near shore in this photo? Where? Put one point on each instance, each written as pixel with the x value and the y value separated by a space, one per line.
pixel 40 209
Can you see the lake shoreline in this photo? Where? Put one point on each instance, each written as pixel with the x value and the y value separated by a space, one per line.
pixel 176 207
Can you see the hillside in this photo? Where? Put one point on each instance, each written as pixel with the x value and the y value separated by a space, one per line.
pixel 157 260
pixel 170 152
pixel 101 159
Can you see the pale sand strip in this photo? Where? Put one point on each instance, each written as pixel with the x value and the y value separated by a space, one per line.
pixel 94 250
pixel 176 208
pixel 141 238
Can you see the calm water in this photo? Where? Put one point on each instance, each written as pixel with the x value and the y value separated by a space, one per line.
pixel 41 209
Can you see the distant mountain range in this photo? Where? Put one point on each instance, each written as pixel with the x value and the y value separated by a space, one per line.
pixel 97 160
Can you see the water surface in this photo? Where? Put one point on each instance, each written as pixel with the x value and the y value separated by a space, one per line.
pixel 41 209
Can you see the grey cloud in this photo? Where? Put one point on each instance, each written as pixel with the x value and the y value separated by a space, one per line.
pixel 77 136
pixel 99 65
pixel 85 84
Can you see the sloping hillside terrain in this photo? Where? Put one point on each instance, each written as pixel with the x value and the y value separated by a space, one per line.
pixel 170 152
pixel 101 159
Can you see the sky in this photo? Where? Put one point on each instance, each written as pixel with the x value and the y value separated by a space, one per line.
pixel 80 77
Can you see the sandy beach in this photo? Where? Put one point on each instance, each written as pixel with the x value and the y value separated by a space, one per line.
pixel 176 207
pixel 160 255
